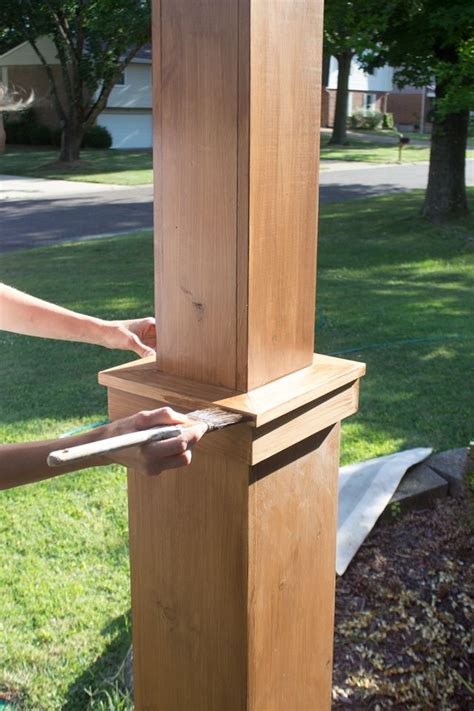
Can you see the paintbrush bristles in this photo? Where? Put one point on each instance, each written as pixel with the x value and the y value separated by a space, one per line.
pixel 215 418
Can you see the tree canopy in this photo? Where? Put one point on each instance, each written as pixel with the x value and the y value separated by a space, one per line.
pixel 430 40
pixel 426 39
pixel 350 28
pixel 94 39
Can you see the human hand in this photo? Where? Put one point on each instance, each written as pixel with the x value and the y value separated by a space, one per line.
pixel 138 335
pixel 154 457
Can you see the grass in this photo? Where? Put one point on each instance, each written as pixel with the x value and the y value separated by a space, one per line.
pixel 384 276
pixel 132 167
pixel 392 133
pixel 369 151
pixel 135 167
pixel 387 277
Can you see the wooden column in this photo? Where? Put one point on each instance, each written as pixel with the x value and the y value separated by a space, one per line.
pixel 233 559
pixel 236 135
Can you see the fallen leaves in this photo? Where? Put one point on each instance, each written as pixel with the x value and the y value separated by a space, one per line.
pixel 404 616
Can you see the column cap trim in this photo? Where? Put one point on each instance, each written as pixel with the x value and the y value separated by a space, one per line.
pixel 262 405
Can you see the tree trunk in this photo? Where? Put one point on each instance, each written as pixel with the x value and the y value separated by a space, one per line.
pixel 445 196
pixel 71 138
pixel 339 131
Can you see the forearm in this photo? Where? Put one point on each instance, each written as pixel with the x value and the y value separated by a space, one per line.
pixel 26 462
pixel 25 314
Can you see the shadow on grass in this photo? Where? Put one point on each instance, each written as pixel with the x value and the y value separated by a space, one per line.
pixel 106 672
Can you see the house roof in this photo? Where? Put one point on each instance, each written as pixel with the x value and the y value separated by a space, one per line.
pixel 24 54
pixel 143 54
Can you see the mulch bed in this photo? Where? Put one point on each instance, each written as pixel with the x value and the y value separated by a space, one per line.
pixel 405 615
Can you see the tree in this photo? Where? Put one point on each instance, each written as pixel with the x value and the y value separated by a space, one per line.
pixel 95 40
pixel 349 28
pixel 428 39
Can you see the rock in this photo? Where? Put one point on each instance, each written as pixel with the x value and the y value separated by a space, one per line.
pixel 418 489
pixel 452 466
pixel 470 458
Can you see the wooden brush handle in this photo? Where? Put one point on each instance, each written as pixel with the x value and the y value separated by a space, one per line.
pixel 82 452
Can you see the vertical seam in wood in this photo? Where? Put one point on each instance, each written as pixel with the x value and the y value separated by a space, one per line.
pixel 243 180
pixel 237 240
pixel 251 549
pixel 247 196
pixel 158 184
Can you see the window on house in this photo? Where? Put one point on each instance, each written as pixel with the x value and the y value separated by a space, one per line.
pixel 369 102
pixel 121 80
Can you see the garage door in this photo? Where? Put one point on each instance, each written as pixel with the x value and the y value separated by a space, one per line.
pixel 128 130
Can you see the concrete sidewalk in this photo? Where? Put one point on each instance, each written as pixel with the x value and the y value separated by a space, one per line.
pixel 14 187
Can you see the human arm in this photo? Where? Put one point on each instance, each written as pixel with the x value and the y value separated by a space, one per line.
pixel 25 463
pixel 25 314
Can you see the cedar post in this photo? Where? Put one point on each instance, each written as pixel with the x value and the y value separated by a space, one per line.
pixel 232 559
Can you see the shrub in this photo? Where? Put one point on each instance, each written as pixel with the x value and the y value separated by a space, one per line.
pixel 366 119
pixel 388 122
pixel 16 133
pixel 55 136
pixel 24 129
pixel 40 135
pixel 97 137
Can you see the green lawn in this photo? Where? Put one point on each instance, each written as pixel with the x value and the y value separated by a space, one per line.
pixel 135 167
pixel 385 277
pixel 375 133
pixel 373 153
pixel 369 151
pixel 132 167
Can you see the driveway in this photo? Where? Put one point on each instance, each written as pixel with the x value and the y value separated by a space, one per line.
pixel 35 212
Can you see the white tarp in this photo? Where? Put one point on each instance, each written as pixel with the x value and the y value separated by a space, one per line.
pixel 365 489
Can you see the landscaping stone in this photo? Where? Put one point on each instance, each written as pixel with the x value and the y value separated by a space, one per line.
pixel 419 488
pixel 470 458
pixel 451 466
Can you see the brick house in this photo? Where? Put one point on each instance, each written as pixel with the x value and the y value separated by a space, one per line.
pixel 366 91
pixel 376 92
pixel 411 106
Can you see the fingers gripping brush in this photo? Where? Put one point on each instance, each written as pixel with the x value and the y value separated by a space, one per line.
pixel 214 418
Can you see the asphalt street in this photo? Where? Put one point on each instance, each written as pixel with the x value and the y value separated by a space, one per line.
pixel 39 212
pixel 36 213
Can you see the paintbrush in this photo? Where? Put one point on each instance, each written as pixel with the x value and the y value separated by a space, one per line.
pixel 214 418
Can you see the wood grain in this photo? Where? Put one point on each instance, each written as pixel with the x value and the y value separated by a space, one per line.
pixel 264 404
pixel 188 547
pixel 266 440
pixel 232 570
pixel 284 153
pixel 196 197
pixel 292 540
pixel 285 431
pixel 243 158
pixel 232 563
pixel 234 443
pixel 236 146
